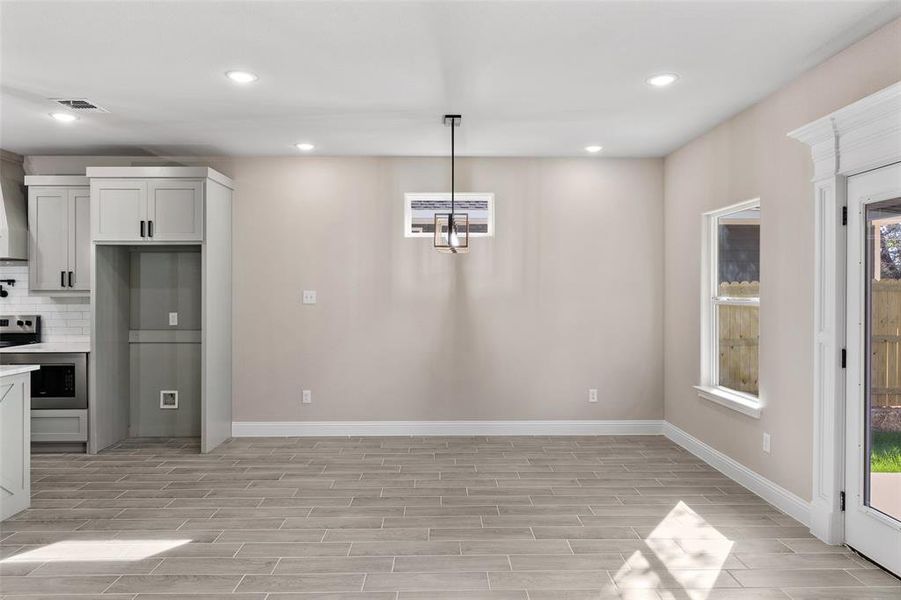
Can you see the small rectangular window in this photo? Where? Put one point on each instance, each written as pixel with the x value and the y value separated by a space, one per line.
pixel 731 307
pixel 420 210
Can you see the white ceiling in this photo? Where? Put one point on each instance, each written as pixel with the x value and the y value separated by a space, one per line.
pixel 374 78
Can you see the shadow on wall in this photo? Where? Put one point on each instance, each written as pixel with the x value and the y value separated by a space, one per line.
pixel 457 356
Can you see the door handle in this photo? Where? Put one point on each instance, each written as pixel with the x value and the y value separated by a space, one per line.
pixel 150 228
pixel 62 279
pixel 70 278
pixel 143 224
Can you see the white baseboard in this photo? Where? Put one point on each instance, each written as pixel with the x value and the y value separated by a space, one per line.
pixel 776 495
pixel 781 498
pixel 376 428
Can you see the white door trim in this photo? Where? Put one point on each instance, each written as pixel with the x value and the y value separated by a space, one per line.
pixel 862 136
pixel 867 529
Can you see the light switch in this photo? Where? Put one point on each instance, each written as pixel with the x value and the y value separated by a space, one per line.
pixel 309 296
pixel 173 319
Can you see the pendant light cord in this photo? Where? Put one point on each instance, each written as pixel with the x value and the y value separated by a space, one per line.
pixel 453 160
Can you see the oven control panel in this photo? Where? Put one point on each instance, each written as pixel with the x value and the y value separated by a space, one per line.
pixel 19 324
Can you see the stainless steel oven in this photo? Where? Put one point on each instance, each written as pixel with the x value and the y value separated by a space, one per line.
pixel 60 383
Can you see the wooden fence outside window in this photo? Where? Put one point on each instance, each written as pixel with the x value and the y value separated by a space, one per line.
pixel 738 328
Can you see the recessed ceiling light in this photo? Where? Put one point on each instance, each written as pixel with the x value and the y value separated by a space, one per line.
pixel 241 76
pixel 304 147
pixel 593 149
pixel 64 117
pixel 662 79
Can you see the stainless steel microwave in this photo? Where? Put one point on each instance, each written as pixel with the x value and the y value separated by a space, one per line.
pixel 60 383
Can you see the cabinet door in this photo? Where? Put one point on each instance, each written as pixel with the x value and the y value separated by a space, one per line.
pixel 15 460
pixel 175 210
pixel 80 238
pixel 62 425
pixel 119 210
pixel 48 233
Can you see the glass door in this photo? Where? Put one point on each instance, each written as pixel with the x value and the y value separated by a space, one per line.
pixel 873 417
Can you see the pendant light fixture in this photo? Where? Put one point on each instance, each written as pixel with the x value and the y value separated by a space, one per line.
pixel 452 229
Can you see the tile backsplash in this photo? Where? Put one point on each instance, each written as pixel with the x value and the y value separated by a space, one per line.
pixel 62 318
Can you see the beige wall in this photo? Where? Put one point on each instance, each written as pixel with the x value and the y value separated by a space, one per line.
pixel 567 295
pixel 746 157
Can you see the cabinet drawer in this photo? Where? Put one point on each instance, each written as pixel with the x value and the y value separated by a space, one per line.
pixel 59 425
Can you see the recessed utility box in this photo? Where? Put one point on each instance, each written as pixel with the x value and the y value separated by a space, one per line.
pixel 168 399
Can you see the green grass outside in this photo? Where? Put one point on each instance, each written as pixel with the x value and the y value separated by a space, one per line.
pixel 885 452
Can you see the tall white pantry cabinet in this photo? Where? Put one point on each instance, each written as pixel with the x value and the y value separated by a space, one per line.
pixel 172 211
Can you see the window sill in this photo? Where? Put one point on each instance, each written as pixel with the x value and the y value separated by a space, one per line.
pixel 743 403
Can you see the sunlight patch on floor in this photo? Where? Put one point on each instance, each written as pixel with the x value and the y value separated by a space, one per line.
pixel 106 550
pixel 666 564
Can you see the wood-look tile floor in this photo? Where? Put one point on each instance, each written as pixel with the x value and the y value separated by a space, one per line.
pixel 493 518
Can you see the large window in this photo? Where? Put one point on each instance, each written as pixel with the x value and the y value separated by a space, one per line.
pixel 730 297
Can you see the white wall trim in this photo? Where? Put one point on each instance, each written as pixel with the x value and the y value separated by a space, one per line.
pixel 861 136
pixel 737 401
pixel 377 428
pixel 778 496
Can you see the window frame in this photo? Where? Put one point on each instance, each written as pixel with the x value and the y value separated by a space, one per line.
pixel 709 388
pixel 408 210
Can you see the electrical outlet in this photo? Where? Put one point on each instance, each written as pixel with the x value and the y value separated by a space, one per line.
pixel 766 443
pixel 169 399
pixel 307 397
pixel 173 319
pixel 309 296
pixel 592 395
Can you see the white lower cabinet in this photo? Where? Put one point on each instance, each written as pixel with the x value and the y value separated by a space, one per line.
pixel 59 425
pixel 15 444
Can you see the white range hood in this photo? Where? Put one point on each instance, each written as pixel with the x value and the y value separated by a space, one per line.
pixel 13 206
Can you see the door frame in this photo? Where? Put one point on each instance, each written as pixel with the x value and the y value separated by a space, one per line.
pixel 860 137
pixel 871 526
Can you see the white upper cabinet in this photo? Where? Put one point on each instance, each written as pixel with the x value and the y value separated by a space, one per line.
pixel 59 237
pixel 48 217
pixel 175 210
pixel 80 237
pixel 146 210
pixel 119 210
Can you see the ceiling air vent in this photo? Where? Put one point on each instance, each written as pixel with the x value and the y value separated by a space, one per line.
pixel 80 105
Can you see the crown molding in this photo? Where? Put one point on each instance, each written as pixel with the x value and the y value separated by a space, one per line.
pixel 861 136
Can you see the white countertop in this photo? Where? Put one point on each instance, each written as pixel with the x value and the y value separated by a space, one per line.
pixel 57 347
pixel 10 370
